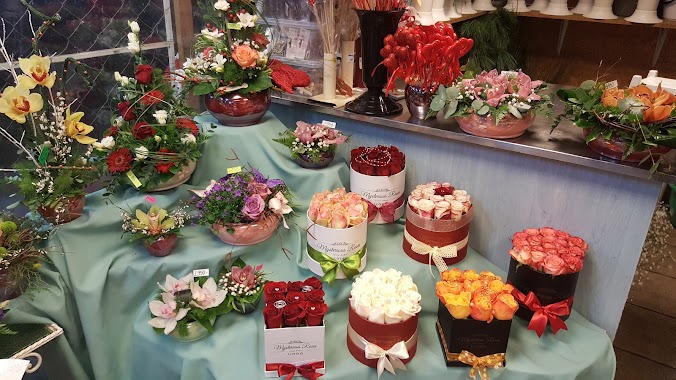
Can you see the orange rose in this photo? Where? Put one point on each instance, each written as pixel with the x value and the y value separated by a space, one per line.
pixel 611 96
pixel 472 286
pixel 481 307
pixel 447 287
pixel 245 56
pixel 470 274
pixel 451 275
pixel 507 288
pixel 504 307
pixel 458 304
pixel 496 285
pixel 485 277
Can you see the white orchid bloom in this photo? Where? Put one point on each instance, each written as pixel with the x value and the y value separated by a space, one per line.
pixel 166 315
pixel 208 295
pixel 172 285
pixel 280 206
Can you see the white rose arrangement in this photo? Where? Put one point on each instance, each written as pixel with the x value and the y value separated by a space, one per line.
pixel 385 297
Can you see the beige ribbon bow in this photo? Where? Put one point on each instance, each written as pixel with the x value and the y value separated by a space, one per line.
pixel 387 359
pixel 436 254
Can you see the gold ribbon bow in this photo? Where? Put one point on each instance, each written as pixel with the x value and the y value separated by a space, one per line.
pixel 479 364
pixel 436 254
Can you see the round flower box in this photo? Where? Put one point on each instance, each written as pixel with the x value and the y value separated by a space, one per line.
pixel 162 246
pixel 384 195
pixel 66 211
pixel 238 110
pixel 484 126
pixel 177 180
pixel 246 233
pixel 336 245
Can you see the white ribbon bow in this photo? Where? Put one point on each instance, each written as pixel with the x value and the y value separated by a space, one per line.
pixel 387 359
pixel 436 254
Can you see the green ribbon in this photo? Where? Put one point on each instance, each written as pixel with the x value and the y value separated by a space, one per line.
pixel 350 265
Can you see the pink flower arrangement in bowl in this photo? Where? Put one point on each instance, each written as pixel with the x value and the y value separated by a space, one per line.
pixel 492 104
pixel 244 285
pixel 313 146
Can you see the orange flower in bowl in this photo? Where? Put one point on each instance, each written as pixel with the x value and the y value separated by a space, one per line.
pixel 453 274
pixel 504 307
pixel 458 304
pixel 611 96
pixel 659 93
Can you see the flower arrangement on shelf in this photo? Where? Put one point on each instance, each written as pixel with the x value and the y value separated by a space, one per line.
pixel 549 251
pixel 4 330
pixel 482 297
pixel 492 104
pixel 157 228
pixel 21 254
pixel 436 200
pixel 230 52
pixel 180 302
pixel 312 144
pixel 51 137
pixel 244 285
pixel 153 144
pixel 337 209
pixel 242 200
pixel 634 120
pixel 294 304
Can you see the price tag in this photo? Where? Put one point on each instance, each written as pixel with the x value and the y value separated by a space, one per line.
pixel 234 26
pixel 43 156
pixel 134 180
pixel 329 124
pixel 200 273
pixel 234 169
pixel 150 199
pixel 510 73
pixel 349 58
pixel 612 84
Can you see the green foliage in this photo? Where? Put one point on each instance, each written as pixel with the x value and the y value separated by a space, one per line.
pixel 496 42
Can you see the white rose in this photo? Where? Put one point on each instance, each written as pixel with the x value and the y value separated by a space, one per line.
pixel 134 46
pixel 107 142
pixel 188 138
pixel 377 315
pixel 222 5
pixel 141 153
pixel 425 205
pixel 392 276
pixel 158 138
pixel 459 193
pixel 409 309
pixel 134 27
pixel 456 206
pixel 428 192
pixel 161 116
pixel 393 313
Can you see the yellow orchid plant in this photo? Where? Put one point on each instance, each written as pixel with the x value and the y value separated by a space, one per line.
pixel 37 118
pixel 154 224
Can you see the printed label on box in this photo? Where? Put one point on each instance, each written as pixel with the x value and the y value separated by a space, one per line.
pixel 378 189
pixel 338 243
pixel 293 345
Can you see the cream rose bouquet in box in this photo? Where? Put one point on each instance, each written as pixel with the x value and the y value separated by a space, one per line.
pixel 337 209
pixel 385 296
pixel 436 200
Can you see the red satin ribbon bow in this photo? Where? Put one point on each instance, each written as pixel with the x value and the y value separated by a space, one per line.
pixel 308 371
pixel 386 210
pixel 544 315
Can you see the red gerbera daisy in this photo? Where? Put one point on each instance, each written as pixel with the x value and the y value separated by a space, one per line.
pixel 120 160
pixel 152 97
pixel 163 167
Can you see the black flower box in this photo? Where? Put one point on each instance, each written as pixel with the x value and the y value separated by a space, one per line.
pixel 478 337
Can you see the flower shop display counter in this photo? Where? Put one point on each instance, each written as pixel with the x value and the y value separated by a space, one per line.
pixel 536 179
pixel 100 286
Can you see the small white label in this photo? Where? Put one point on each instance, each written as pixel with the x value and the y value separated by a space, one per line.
pixel 329 124
pixel 612 84
pixel 200 273
pixel 349 58
pixel 510 73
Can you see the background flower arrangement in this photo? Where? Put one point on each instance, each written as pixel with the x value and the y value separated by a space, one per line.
pixel 637 116
pixel 157 228
pixel 154 136
pixel 312 141
pixel 230 52
pixel 549 251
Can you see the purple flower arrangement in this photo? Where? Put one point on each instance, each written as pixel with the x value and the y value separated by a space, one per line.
pixel 244 197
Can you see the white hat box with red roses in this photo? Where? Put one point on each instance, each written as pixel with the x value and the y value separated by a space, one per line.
pixel 300 347
pixel 383 192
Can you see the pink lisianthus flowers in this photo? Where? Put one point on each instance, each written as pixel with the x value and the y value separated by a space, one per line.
pixel 549 250
pixel 337 209
pixel 436 200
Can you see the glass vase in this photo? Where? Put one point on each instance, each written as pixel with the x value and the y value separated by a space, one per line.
pixel 418 100
pixel 325 160
pixel 238 110
pixel 195 332
pixel 614 148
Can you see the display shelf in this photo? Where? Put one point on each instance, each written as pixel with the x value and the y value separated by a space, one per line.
pixel 467 17
pixel 665 24
pixel 564 144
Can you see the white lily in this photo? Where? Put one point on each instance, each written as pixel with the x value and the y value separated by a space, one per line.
pixel 166 315
pixel 212 33
pixel 222 5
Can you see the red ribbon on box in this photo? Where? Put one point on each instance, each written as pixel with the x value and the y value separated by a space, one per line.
pixel 308 371
pixel 386 210
pixel 544 315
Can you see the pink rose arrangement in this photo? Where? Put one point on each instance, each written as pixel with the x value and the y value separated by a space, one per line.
pixel 549 250
pixel 243 197
pixel 495 94
pixel 312 142
pixel 337 209
pixel 243 284
pixel 436 200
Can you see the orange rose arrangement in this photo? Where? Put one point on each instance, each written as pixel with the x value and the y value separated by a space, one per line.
pixel 479 296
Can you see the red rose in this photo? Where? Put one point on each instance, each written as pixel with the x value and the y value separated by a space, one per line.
pixel 119 161
pixel 294 286
pixel 354 153
pixel 270 299
pixel 537 256
pixel 554 265
pixel 112 131
pixel 315 295
pixel 163 167
pixel 562 243
pixel 152 97
pixel 126 111
pixel 185 123
pixel 395 167
pixel 366 169
pixel 295 297
pixel 274 288
pixel 444 190
pixel 562 235
pixel 144 74
pixel 315 313
pixel 312 282
pixel 273 316
pixel 260 39
pixel 383 170
pixel 294 314
pixel 142 131
pixel 374 154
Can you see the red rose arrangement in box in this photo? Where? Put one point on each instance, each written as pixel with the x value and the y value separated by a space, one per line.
pixel 294 304
pixel 377 161
pixel 544 270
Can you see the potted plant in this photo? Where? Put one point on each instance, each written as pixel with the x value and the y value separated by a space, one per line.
pixel 244 285
pixel 630 124
pixel 313 146
pixel 187 308
pixel 230 66
pixel 157 229
pixel 491 104
pixel 244 207
pixel 21 255
pixel 53 139
pixel 153 144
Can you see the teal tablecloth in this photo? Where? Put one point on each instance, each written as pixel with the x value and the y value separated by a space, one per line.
pixel 103 284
